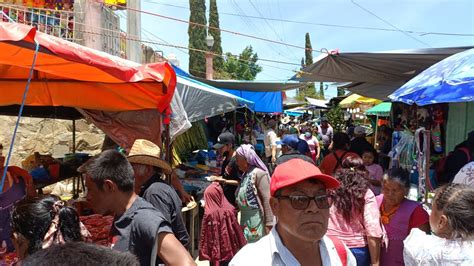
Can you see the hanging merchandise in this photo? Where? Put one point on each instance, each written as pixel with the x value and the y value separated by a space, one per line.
pixel 403 153
pixel 438 119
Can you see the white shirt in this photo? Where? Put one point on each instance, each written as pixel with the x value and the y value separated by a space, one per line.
pixel 270 251
pixel 465 175
pixel 269 141
pixel 423 249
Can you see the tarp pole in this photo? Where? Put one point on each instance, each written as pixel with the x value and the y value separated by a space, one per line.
pixel 168 149
pixel 73 136
pixel 426 168
pixel 376 130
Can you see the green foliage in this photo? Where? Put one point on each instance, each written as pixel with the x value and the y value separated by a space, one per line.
pixel 340 92
pixel 321 91
pixel 310 90
pixel 197 38
pixel 218 62
pixel 243 67
pixel 309 50
pixel 336 118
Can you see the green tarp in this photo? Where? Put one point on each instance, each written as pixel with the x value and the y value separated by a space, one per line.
pixel 381 109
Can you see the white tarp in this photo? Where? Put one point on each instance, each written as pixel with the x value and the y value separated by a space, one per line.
pixel 201 100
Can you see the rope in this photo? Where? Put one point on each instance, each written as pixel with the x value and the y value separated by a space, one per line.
pixel 19 115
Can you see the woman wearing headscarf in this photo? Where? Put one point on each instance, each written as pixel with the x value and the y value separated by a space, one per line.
pixel 221 235
pixel 253 194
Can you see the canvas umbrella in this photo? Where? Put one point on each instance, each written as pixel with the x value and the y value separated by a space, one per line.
pixel 450 80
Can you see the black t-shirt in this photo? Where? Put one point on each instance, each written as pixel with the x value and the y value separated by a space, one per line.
pixel 165 199
pixel 136 230
pixel 230 171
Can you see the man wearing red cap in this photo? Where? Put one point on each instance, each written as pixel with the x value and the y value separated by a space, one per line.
pixel 300 202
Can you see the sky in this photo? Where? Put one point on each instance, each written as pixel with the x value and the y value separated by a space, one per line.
pixel 445 16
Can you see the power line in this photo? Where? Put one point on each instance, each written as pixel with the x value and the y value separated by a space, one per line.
pixel 192 49
pixel 386 22
pixel 271 27
pixel 422 33
pixel 251 25
pixel 183 51
pixel 215 28
pixel 178 46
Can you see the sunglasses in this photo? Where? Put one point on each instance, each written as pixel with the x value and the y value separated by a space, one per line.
pixel 299 202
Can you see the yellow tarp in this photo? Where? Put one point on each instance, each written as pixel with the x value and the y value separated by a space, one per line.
pixel 357 99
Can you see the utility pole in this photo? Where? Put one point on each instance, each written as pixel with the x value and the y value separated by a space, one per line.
pixel 134 51
pixel 91 16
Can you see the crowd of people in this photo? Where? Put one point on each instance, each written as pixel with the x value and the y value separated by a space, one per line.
pixel 314 197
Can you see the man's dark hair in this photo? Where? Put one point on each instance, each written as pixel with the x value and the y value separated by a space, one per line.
pixel 111 165
pixel 79 253
pixel 340 140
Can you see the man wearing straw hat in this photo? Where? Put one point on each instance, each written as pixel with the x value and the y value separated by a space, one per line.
pixel 149 168
pixel 138 227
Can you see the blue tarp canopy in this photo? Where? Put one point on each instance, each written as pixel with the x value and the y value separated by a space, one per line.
pixel 448 81
pixel 265 102
pixel 201 100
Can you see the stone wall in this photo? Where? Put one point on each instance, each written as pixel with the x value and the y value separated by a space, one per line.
pixel 48 136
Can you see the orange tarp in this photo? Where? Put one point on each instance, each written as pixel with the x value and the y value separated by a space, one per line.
pixel 71 75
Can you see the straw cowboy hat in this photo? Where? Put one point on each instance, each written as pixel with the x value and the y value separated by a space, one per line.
pixel 286 120
pixel 146 152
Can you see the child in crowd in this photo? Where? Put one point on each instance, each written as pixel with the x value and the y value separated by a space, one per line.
pixel 375 171
pixel 452 224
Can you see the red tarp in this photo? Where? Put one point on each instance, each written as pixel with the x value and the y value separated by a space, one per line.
pixel 71 75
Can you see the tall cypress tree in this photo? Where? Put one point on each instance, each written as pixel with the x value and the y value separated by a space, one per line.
pixel 309 50
pixel 197 38
pixel 216 34
pixel 321 90
pixel 310 91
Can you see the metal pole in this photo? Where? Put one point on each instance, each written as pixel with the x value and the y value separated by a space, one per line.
pixel 376 130
pixel 73 136
pixel 169 153
pixel 427 152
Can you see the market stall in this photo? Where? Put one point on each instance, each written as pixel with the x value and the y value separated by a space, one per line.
pixel 373 74
pixel 381 116
pixel 67 81
pixel 431 94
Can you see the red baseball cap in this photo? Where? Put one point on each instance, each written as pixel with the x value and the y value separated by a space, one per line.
pixel 297 170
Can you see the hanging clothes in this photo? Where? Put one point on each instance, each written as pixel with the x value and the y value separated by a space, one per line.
pixel 221 234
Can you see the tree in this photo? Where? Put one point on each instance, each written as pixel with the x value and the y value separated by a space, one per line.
pixel 310 90
pixel 197 38
pixel 308 53
pixel 242 67
pixel 218 62
pixel 340 91
pixel 336 118
pixel 321 91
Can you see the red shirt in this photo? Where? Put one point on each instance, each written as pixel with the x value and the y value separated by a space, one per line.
pixel 418 218
pixel 328 165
